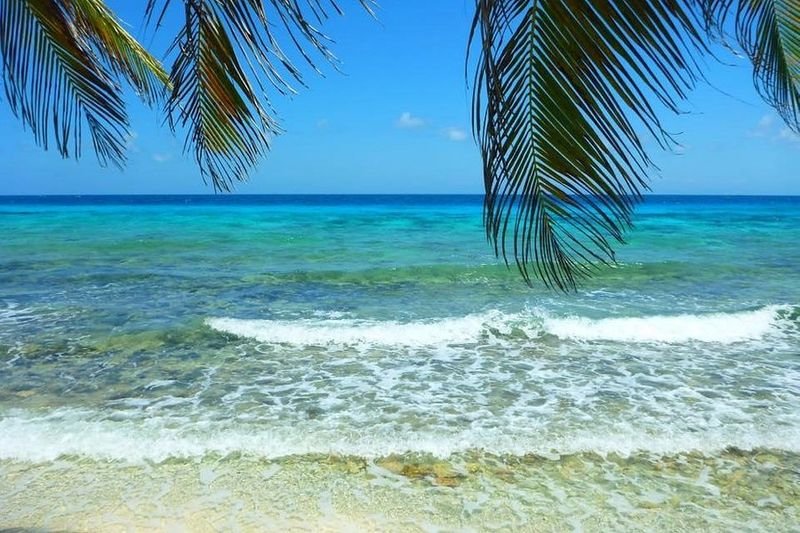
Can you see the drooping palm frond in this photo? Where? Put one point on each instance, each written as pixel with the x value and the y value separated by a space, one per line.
pixel 229 126
pixel 560 89
pixel 55 79
pixel 228 53
pixel 118 49
pixel 769 33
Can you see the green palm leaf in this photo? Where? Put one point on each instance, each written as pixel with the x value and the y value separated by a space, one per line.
pixel 55 83
pixel 54 54
pixel 769 33
pixel 228 54
pixel 562 89
pixel 118 49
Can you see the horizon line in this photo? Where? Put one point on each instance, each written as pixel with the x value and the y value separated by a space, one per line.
pixel 233 195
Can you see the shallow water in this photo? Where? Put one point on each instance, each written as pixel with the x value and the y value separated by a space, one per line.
pixel 235 362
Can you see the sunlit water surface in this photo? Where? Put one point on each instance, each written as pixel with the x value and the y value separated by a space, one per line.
pixel 366 363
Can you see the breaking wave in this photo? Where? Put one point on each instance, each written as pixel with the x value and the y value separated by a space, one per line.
pixel 72 433
pixel 722 328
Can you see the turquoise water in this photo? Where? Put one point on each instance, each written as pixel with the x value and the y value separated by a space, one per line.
pixel 299 362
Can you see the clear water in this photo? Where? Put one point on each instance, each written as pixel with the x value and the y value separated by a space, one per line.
pixel 330 362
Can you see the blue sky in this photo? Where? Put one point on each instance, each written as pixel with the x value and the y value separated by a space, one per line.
pixel 397 121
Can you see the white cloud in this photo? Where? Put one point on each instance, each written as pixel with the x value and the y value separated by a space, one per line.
pixel 161 158
pixel 771 127
pixel 323 123
pixel 766 121
pixel 786 134
pixel 455 134
pixel 763 127
pixel 408 121
pixel 130 141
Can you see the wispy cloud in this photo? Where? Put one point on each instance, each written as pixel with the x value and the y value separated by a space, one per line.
pixel 786 134
pixel 323 124
pixel 763 127
pixel 409 121
pixel 771 127
pixel 455 134
pixel 161 158
pixel 130 141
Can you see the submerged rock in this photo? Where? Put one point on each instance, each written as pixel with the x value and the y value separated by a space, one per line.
pixel 437 472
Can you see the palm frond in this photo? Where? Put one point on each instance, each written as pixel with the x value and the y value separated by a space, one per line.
pixel 769 33
pixel 56 84
pixel 118 49
pixel 562 89
pixel 228 54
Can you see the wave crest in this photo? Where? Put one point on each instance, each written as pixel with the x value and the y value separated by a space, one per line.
pixel 72 434
pixel 725 328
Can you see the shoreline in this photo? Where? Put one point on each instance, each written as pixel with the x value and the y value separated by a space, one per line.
pixel 406 493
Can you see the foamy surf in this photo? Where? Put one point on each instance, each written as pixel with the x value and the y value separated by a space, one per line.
pixel 723 328
pixel 315 332
pixel 156 440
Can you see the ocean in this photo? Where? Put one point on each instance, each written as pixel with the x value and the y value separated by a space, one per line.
pixel 211 363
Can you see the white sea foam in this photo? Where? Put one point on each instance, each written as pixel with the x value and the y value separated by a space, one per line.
pixel 73 434
pixel 315 332
pixel 723 328
pixel 716 327
pixel 590 398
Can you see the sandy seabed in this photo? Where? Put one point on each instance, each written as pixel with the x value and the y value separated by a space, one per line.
pixel 754 491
